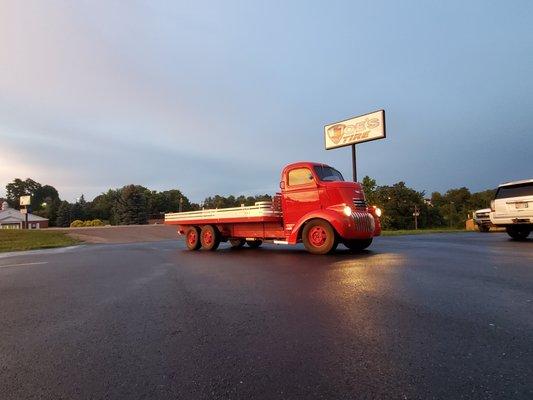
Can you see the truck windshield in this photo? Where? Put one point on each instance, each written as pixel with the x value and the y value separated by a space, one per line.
pixel 328 174
pixel 523 189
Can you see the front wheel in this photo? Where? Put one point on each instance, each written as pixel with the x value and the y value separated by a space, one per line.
pixel 484 228
pixel 357 244
pixel 518 232
pixel 319 237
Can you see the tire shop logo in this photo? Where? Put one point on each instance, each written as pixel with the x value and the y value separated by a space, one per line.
pixel 348 133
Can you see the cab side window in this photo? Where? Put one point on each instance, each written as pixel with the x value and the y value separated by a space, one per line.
pixel 300 176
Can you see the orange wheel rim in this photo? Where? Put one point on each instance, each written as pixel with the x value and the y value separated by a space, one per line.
pixel 208 238
pixel 317 236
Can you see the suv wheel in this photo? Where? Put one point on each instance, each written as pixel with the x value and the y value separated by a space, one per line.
pixel 518 232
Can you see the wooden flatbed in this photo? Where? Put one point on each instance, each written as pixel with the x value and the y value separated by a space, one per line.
pixel 260 212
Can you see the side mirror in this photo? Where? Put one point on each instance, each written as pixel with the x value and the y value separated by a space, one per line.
pixel 282 185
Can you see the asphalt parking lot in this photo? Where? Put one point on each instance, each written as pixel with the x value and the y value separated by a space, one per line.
pixel 444 316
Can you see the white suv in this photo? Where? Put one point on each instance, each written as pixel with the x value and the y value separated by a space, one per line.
pixel 512 208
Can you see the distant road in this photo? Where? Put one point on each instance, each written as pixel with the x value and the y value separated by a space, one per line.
pixel 445 316
pixel 122 233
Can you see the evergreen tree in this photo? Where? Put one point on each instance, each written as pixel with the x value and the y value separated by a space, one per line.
pixel 63 214
pixel 132 206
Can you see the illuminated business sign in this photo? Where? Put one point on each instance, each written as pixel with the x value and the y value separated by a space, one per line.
pixel 355 130
pixel 25 200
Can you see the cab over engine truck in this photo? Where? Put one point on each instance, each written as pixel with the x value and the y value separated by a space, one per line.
pixel 316 206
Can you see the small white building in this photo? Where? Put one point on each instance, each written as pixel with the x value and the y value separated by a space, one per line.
pixel 14 219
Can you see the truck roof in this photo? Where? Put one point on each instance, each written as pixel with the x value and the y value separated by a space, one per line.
pixel 517 182
pixel 305 164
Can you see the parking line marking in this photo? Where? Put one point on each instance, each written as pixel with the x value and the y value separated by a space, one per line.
pixel 23 264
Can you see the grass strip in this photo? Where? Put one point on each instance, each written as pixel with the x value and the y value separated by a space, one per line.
pixel 18 240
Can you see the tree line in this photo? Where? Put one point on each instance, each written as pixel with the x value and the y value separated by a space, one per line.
pixel 136 204
pixel 131 204
pixel 399 203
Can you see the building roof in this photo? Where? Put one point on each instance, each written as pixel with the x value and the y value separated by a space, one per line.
pixel 11 215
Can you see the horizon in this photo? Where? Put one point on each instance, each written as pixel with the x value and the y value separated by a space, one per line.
pixel 215 98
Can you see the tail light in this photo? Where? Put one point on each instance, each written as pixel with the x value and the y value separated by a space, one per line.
pixel 492 206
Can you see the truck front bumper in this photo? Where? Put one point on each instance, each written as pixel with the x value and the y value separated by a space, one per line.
pixel 360 225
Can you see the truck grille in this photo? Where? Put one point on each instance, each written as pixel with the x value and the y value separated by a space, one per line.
pixel 364 221
pixel 360 203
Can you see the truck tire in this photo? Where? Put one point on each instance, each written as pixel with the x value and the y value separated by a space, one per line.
pixel 484 228
pixel 319 237
pixel 254 244
pixel 237 243
pixel 192 238
pixel 518 232
pixel 210 237
pixel 357 244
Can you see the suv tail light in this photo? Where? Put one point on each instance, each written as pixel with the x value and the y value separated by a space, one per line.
pixel 492 206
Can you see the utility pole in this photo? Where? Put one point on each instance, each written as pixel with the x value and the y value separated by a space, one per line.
pixel 451 206
pixel 416 214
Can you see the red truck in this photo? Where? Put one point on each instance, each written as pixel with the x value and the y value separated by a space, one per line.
pixel 316 206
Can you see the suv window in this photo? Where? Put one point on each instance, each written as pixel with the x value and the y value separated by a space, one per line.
pixel 300 176
pixel 523 189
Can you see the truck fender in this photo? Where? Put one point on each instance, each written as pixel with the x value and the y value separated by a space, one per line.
pixel 335 218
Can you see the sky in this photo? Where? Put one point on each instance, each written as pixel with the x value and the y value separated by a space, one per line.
pixel 217 96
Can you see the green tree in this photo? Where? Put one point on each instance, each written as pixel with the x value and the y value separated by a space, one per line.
pixel 79 209
pixel 454 206
pixel 231 201
pixel 398 204
pixel 18 188
pixel 63 214
pixel 103 206
pixel 132 206
pixel 482 199
pixel 369 187
pixel 167 201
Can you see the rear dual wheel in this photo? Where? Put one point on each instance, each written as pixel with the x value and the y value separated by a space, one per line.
pixel 192 238
pixel 210 237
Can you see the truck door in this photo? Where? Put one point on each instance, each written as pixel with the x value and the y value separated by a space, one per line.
pixel 300 195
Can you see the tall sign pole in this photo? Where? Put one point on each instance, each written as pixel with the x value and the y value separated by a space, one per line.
pixel 25 201
pixel 354 164
pixel 364 128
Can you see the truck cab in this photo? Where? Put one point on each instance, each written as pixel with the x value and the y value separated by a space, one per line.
pixel 314 192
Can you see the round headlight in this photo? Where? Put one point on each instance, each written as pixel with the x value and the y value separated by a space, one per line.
pixel 378 211
pixel 347 211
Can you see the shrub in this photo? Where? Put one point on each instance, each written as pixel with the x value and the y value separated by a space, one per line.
pixel 96 222
pixel 77 224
